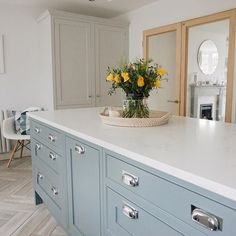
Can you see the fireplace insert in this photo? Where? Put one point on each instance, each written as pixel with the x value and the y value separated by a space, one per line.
pixel 206 111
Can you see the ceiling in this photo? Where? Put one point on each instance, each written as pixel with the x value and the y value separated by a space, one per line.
pixel 102 8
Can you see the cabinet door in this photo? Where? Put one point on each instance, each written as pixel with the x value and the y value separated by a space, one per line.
pixel 84 188
pixel 111 50
pixel 73 64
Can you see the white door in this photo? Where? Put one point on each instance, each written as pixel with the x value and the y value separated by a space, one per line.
pixel 162 49
pixel 74 64
pixel 111 50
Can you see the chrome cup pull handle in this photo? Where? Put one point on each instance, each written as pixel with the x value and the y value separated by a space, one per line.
pixel 130 179
pixel 52 156
pixel 130 212
pixel 38 146
pixel 79 149
pixel 51 138
pixel 54 191
pixel 207 219
pixel 37 130
pixel 39 177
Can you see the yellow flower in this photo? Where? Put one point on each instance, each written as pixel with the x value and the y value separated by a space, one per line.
pixel 140 81
pixel 125 76
pixel 157 83
pixel 161 72
pixel 110 77
pixel 117 79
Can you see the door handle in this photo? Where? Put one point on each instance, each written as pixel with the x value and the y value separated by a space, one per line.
pixel 174 101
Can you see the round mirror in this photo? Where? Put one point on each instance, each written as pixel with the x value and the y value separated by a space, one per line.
pixel 208 57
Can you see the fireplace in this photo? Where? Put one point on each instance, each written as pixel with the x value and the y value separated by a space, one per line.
pixel 206 111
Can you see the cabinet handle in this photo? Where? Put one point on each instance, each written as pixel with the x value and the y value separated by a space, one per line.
pixel 130 179
pixel 38 146
pixel 54 191
pixel 130 212
pixel 52 156
pixel 207 220
pixel 37 130
pixel 51 138
pixel 39 177
pixel 79 149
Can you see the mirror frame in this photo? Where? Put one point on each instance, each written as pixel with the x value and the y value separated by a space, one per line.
pixel 198 56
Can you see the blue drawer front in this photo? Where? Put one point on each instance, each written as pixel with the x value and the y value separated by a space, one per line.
pixel 170 197
pixel 50 136
pixel 50 157
pixel 139 221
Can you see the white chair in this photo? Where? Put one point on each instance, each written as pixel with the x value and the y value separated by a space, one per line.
pixel 8 131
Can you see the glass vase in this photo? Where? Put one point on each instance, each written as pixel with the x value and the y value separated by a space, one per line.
pixel 135 108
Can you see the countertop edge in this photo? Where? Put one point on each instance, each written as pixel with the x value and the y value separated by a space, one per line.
pixel 204 183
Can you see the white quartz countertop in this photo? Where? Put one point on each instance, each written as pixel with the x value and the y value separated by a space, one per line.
pixel 201 152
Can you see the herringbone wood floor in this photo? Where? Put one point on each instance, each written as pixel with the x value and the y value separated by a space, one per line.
pixel 18 214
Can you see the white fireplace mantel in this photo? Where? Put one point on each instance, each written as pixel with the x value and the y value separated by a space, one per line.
pixel 207 94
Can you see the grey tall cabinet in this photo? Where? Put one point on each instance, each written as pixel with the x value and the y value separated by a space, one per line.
pixel 75 51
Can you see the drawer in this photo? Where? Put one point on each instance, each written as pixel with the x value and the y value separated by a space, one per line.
pixel 50 136
pixel 127 218
pixel 47 155
pixel 169 196
pixel 60 213
pixel 50 184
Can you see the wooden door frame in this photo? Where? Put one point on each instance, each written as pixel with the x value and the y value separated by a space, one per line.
pixel 182 30
pixel 161 30
pixel 186 25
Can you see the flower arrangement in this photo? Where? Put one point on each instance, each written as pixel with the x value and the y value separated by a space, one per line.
pixel 136 79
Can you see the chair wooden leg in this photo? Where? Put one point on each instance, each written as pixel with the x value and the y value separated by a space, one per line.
pixel 13 153
pixel 22 148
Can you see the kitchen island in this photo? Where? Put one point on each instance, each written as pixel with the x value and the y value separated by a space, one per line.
pixel 175 179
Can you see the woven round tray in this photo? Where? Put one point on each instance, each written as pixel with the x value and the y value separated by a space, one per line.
pixel 156 118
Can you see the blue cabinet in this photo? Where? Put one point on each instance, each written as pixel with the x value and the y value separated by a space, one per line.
pixel 49 172
pixel 92 191
pixel 151 193
pixel 84 188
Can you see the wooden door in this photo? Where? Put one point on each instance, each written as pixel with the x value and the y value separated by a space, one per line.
pixel 74 64
pixel 163 46
pixel 111 50
pixel 187 27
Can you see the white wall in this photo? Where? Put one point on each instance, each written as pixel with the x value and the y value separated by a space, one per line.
pixel 20 86
pixel 165 12
pixel 196 37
